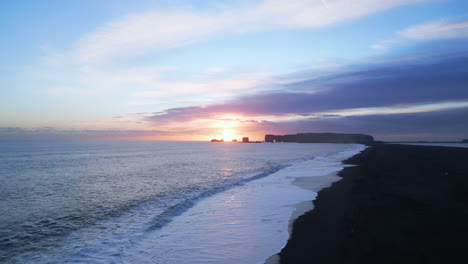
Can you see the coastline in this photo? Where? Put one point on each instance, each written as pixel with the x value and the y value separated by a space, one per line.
pixel 400 204
pixel 315 184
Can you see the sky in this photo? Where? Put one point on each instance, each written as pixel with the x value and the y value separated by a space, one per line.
pixel 197 70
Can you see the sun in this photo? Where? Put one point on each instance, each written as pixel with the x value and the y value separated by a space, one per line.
pixel 228 135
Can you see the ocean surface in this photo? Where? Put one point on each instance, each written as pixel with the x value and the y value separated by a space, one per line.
pixel 153 202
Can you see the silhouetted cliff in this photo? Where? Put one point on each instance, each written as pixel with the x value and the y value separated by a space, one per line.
pixel 321 138
pixel 464 141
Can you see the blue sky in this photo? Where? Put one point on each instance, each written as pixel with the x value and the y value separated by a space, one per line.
pixel 195 70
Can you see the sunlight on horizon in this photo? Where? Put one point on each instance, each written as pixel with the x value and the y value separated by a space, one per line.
pixel 229 135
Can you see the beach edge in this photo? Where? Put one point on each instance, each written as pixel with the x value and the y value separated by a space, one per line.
pixel 377 212
pixel 314 184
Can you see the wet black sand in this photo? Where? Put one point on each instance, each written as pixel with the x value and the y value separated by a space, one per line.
pixel 401 204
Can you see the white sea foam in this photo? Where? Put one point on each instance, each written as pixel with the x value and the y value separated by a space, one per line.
pixel 244 224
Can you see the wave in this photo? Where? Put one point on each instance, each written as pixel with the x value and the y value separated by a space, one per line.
pixel 146 217
pixel 179 208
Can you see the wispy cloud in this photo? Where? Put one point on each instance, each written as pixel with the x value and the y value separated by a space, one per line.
pixel 142 103
pixel 70 91
pixel 211 88
pixel 129 121
pixel 87 81
pixel 151 31
pixel 51 133
pixel 435 30
pixel 158 30
pixel 88 67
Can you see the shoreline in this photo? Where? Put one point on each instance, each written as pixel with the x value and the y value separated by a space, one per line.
pixel 315 184
pixel 312 183
pixel 400 204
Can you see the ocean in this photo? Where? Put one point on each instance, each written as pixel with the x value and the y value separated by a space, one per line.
pixel 153 202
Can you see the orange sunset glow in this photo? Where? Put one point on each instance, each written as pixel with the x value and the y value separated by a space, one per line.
pixel 229 135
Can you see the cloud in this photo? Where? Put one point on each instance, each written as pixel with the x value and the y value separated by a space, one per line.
pixel 156 83
pixel 379 46
pixel 158 30
pixel 150 31
pixel 436 30
pixel 88 68
pixel 128 121
pixel 305 14
pixel 92 81
pixel 401 99
pixel 389 100
pixel 213 88
pixel 51 133
pixel 71 91
pixel 436 125
pixel 142 103
pixel 393 85
pixel 217 70
pixel 181 114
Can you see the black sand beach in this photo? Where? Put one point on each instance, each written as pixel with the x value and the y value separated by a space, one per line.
pixel 401 204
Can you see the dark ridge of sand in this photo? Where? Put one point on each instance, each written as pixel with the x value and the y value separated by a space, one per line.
pixel 401 204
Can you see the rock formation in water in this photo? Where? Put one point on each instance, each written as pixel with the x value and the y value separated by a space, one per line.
pixel 321 138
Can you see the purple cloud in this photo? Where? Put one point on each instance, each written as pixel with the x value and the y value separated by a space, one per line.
pixel 437 125
pixel 384 86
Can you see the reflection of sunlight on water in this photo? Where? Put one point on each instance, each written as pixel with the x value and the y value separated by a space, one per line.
pixel 232 201
pixel 226 173
pixel 227 169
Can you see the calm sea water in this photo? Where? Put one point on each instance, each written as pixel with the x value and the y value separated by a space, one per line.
pixel 87 201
